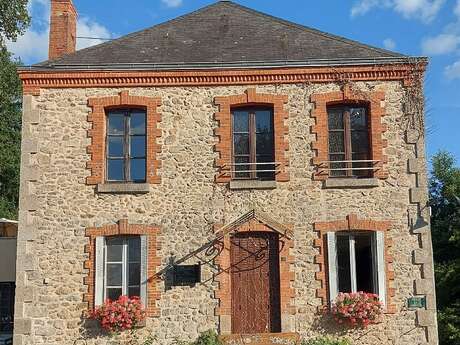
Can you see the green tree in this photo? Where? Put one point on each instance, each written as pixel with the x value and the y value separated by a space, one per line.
pixel 14 19
pixel 10 135
pixel 445 204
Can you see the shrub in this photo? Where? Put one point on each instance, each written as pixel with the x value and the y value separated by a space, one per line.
pixel 206 338
pixel 358 308
pixel 326 341
pixel 120 315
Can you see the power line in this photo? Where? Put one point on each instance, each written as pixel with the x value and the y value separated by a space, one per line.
pixel 95 38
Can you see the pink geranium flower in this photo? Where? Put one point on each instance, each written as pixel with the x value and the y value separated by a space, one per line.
pixel 357 309
pixel 120 315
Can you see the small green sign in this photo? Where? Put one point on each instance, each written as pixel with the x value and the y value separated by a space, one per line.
pixel 416 302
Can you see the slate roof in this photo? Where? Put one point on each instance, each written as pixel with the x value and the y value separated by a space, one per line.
pixel 223 34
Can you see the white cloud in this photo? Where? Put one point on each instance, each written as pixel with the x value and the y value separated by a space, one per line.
pixel 457 9
pixel 88 28
pixel 425 10
pixel 32 47
pixel 453 71
pixel 441 44
pixel 363 6
pixel 172 3
pixel 389 44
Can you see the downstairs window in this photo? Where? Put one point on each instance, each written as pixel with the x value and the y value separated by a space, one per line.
pixel 121 267
pixel 356 262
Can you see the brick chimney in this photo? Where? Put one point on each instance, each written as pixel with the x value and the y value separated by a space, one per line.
pixel 63 28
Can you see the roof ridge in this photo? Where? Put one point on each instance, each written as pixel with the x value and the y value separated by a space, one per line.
pixel 310 29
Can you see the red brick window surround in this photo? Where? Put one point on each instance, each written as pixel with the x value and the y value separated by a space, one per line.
pixel 153 261
pixel 223 261
pixel 348 96
pixel 224 130
pixel 352 223
pixel 97 148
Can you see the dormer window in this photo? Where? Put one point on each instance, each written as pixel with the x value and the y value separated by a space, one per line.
pixel 126 146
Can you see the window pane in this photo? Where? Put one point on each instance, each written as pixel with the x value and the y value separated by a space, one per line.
pixel 138 146
pixel 116 123
pixel 115 169
pixel 137 124
pixel 263 121
pixel 364 263
pixel 134 274
pixel 358 118
pixel 134 291
pixel 134 249
pixel 240 121
pixel 359 141
pixel 265 175
pixel 343 263
pixel 335 118
pixel 337 158
pixel 264 144
pixel 114 250
pixel 242 167
pixel 241 144
pixel 114 274
pixel 336 142
pixel 138 169
pixel 113 293
pixel 115 146
pixel 361 173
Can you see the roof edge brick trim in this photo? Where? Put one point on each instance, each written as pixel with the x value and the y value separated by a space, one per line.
pixel 34 81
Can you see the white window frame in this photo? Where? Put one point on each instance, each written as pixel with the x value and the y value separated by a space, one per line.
pixel 100 269
pixel 378 262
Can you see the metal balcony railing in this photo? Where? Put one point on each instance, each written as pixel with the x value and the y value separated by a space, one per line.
pixel 348 166
pixel 252 170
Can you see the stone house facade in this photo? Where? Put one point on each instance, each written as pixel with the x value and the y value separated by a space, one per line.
pixel 153 164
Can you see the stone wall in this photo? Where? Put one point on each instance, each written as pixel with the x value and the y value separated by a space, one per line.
pixel 57 206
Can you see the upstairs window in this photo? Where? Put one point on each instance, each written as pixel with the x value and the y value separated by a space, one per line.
pixel 253 143
pixel 349 148
pixel 356 263
pixel 126 146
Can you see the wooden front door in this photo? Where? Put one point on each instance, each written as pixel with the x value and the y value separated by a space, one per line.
pixel 255 283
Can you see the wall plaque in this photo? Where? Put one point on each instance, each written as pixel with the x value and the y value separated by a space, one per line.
pixel 416 302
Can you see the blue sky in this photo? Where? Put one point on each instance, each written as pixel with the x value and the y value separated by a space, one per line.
pixel 413 27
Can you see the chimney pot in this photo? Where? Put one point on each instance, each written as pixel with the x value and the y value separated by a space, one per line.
pixel 63 28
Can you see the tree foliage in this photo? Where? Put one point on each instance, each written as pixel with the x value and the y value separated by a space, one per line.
pixel 445 204
pixel 14 19
pixel 10 135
